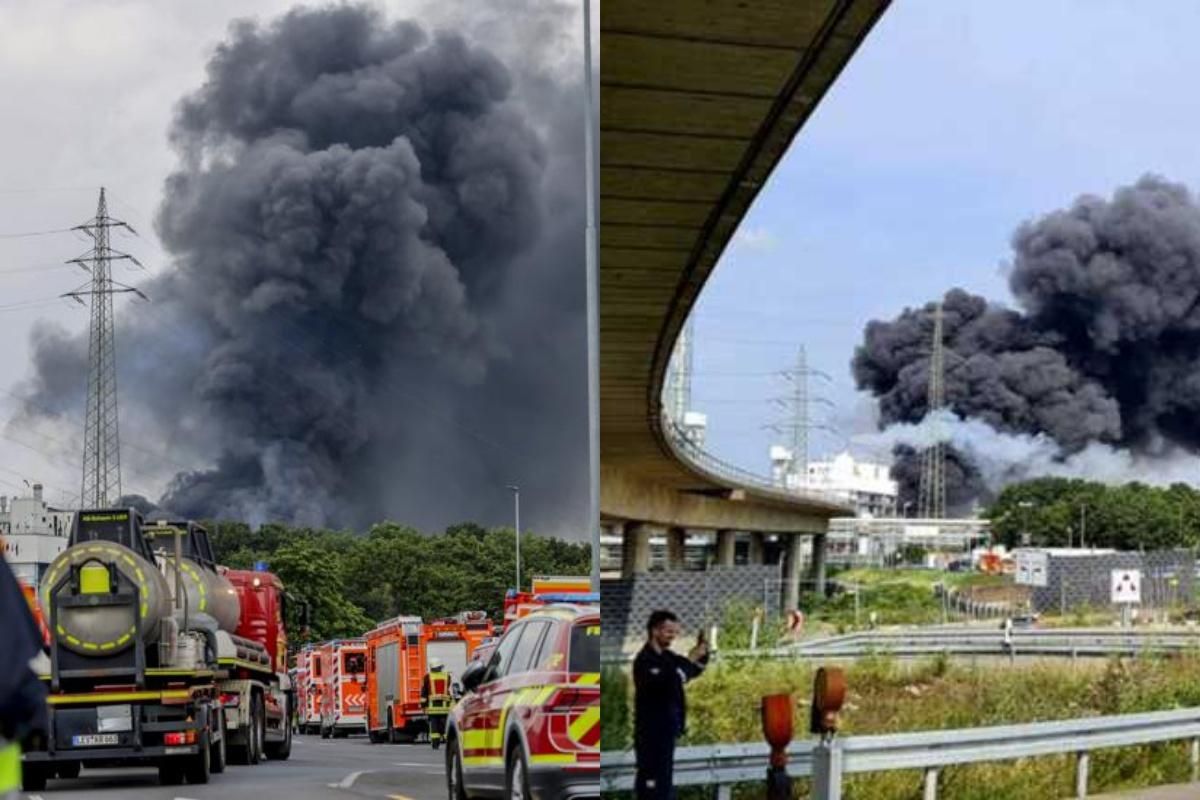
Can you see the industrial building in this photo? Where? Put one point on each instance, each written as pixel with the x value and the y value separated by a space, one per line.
pixel 33 533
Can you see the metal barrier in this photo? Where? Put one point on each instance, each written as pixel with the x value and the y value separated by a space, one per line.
pixel 1065 642
pixel 828 760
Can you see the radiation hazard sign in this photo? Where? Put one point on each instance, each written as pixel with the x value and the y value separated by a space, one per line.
pixel 1126 586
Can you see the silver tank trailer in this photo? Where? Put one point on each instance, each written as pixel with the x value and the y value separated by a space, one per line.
pixel 207 593
pixel 103 630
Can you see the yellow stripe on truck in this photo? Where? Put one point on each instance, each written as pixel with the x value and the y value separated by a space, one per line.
pixel 117 697
pixel 589 679
pixel 552 758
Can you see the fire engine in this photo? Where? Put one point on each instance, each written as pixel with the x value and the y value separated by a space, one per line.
pixel 343 687
pixel 545 591
pixel 308 693
pixel 394 672
pixel 398 655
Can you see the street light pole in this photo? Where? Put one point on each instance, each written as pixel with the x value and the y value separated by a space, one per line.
pixel 516 490
pixel 591 134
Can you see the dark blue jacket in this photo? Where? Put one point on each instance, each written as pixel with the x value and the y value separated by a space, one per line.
pixel 660 709
pixel 22 695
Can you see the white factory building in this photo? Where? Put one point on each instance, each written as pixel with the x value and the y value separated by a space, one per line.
pixel 33 533
pixel 866 485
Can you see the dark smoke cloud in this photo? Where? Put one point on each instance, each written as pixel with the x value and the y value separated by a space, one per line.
pixel 376 302
pixel 1106 344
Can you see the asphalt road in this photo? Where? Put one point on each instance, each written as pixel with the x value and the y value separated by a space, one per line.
pixel 319 769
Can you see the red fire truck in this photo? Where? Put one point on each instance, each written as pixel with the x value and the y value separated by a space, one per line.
pixel 343 687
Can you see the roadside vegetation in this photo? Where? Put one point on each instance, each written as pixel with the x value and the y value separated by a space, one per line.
pixel 887 696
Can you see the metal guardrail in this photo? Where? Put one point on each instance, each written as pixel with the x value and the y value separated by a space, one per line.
pixel 828 760
pixel 690 452
pixel 1072 642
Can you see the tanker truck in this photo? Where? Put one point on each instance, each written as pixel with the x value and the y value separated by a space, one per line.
pixel 157 656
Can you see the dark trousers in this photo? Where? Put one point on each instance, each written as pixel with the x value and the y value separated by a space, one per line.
pixel 655 769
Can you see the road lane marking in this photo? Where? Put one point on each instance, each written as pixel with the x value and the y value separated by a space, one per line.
pixel 348 781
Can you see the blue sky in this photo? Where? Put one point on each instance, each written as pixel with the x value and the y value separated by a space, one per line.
pixel 954 122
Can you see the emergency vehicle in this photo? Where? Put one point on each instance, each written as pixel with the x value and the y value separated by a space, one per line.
pixel 308 695
pixel 545 591
pixel 398 656
pixel 394 671
pixel 343 687
pixel 529 724
pixel 454 640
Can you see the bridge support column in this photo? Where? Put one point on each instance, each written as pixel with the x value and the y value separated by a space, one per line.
pixel 791 596
pixel 725 547
pixel 818 564
pixel 635 549
pixel 676 542
pixel 758 549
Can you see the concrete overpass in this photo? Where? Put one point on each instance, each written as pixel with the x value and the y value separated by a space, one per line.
pixel 699 99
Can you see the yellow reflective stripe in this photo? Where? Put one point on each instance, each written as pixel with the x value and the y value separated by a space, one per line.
pixel 10 768
pixel 190 570
pixel 589 679
pixel 476 739
pixel 586 721
pixel 93 579
pixel 117 697
pixel 553 758
pixel 483 761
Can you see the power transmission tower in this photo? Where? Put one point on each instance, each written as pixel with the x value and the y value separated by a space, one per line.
pixel 679 376
pixel 931 495
pixel 101 438
pixel 798 422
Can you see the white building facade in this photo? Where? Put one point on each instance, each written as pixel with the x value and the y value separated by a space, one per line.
pixel 33 533
pixel 867 485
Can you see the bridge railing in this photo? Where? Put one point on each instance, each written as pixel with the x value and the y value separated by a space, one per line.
pixel 692 453
pixel 827 761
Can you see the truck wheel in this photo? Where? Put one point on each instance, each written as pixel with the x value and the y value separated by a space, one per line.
pixel 279 751
pixel 258 726
pixel 170 772
pixel 33 779
pixel 200 765
pixel 69 770
pixel 218 748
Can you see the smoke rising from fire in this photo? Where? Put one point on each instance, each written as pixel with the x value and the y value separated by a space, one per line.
pixel 1105 346
pixel 375 305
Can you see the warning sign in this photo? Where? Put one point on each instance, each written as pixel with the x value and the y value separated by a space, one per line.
pixel 1126 586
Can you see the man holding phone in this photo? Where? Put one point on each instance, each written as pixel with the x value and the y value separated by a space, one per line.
pixel 660 709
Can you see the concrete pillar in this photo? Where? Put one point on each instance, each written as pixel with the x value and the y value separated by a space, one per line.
pixel 791 597
pixel 758 549
pixel 818 564
pixel 725 547
pixel 676 541
pixel 635 549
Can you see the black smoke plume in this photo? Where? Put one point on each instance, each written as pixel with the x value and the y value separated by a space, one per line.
pixel 376 302
pixel 1105 346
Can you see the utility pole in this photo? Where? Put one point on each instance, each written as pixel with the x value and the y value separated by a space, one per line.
pixel 931 495
pixel 1082 526
pixel 101 439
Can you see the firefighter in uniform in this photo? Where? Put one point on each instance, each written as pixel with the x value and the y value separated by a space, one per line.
pixel 660 711
pixel 22 697
pixel 435 697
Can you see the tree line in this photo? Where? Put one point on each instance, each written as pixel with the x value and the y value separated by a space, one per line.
pixel 1061 512
pixel 351 581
